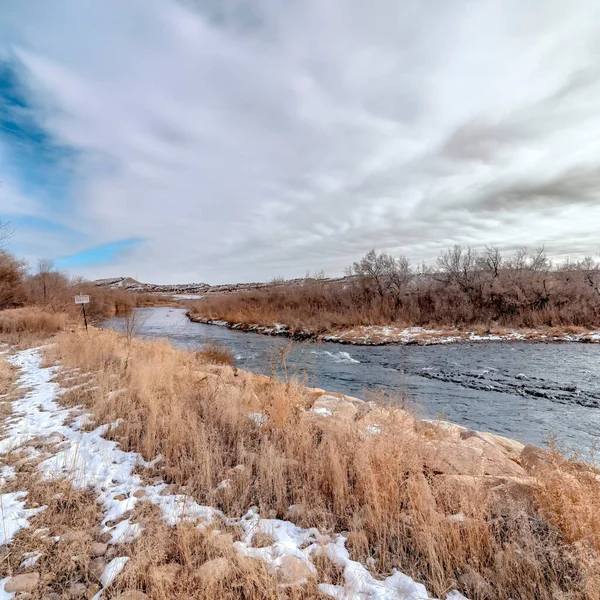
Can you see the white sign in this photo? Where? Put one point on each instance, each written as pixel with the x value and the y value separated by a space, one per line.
pixel 82 299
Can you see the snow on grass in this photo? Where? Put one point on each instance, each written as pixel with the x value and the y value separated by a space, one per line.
pixel 31 559
pixel 88 460
pixel 112 569
pixel 13 515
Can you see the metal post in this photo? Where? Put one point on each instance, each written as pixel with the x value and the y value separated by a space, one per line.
pixel 84 317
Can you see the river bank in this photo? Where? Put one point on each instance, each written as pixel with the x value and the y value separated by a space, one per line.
pixel 532 392
pixel 380 335
pixel 275 488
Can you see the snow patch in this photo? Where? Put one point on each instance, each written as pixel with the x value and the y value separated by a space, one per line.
pixel 14 516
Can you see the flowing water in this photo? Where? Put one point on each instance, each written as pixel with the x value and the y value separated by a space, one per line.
pixel 527 391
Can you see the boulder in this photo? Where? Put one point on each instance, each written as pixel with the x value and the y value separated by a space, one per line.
pixel 473 456
pixel 494 461
pixel 76 590
pixel 132 595
pixel 27 582
pixel 338 408
pixel 215 571
pixel 293 571
pixel 511 448
pixel 447 457
pixel 437 428
pixel 98 549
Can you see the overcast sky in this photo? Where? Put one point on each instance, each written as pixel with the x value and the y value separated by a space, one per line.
pixel 239 140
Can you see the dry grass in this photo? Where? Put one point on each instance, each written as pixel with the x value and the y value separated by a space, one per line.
pixel 216 354
pixel 376 488
pixel 32 320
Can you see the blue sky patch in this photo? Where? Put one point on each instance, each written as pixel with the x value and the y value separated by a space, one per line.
pixel 98 255
pixel 30 154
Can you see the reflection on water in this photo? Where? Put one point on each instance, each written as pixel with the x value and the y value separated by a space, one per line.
pixel 525 391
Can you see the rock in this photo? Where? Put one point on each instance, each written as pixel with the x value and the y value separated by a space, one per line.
pixel 494 461
pixel 120 497
pixel 96 566
pixel 473 456
pixel 139 493
pixel 447 457
pixel 51 596
pixel 99 549
pixel 214 571
pixel 332 407
pixel 516 490
pixel 132 595
pixel 293 571
pixel 533 459
pixel 76 590
pixel 27 582
pixel 437 428
pixel 475 585
pixel 511 448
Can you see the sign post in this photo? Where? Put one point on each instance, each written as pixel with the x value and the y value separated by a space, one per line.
pixel 83 300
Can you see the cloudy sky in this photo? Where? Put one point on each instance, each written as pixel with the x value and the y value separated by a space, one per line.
pixel 232 140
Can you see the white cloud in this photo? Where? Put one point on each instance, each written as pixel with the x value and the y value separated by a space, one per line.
pixel 243 144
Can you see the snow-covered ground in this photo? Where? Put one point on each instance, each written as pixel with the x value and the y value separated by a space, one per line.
pixel 90 461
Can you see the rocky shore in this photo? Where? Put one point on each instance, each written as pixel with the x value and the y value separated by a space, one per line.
pixel 380 335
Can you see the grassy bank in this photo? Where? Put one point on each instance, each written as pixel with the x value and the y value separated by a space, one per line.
pixel 451 508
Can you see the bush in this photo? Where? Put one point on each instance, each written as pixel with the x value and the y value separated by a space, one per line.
pixel 12 274
pixel 216 354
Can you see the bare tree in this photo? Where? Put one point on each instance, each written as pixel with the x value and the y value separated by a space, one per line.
pixel 44 269
pixel 460 265
pixel 6 232
pixel 491 260
pixel 372 269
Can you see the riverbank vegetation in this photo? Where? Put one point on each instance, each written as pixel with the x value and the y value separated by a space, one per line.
pixel 465 288
pixel 451 508
pixel 43 298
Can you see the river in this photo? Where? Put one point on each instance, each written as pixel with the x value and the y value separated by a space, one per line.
pixel 531 392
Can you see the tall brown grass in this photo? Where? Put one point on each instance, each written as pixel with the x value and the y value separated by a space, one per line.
pixel 216 354
pixel 396 512
pixel 32 320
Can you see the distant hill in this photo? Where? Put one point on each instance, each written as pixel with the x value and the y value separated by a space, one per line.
pixel 131 285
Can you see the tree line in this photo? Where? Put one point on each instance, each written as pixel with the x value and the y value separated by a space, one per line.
pixel 464 286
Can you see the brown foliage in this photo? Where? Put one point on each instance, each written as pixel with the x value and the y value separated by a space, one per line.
pixel 216 354
pixel 467 288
